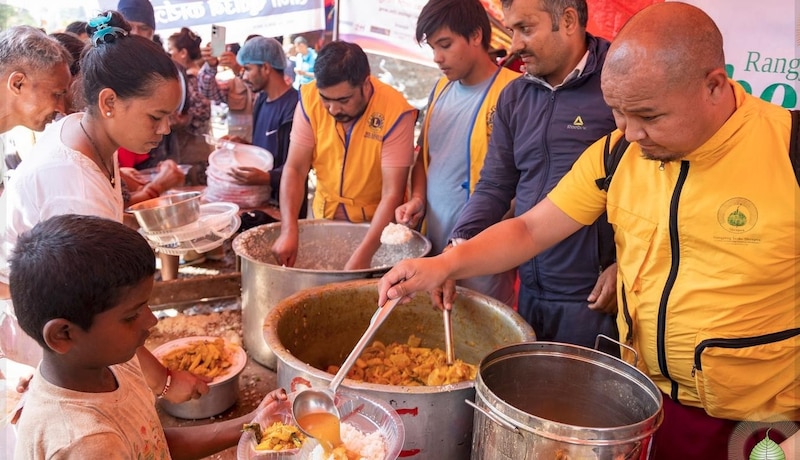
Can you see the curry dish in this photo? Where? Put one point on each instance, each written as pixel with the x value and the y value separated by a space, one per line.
pixel 408 365
pixel 278 436
pixel 204 357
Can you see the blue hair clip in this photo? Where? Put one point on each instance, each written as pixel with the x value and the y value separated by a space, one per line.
pixel 104 30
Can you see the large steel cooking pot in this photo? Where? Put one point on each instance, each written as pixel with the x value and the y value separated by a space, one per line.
pixel 320 326
pixel 544 400
pixel 324 246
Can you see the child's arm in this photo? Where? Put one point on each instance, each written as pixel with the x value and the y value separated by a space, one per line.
pixel 183 385
pixel 204 440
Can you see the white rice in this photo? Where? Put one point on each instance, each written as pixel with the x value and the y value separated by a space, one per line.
pixel 368 446
pixel 396 234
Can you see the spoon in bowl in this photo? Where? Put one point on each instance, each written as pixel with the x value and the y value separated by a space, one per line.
pixel 314 410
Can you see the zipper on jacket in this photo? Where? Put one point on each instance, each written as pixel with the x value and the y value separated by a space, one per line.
pixel 742 342
pixel 627 315
pixel 674 244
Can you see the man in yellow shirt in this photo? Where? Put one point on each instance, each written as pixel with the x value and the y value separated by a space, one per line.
pixel 704 210
pixel 358 135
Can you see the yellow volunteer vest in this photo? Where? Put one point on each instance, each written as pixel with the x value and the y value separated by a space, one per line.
pixel 482 123
pixel 348 162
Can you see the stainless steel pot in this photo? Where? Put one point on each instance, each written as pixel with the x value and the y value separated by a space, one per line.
pixel 324 247
pixel 544 400
pixel 320 326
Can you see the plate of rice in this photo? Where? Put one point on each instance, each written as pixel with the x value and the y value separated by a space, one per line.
pixel 369 427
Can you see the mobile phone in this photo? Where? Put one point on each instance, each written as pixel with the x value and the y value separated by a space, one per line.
pixel 217 40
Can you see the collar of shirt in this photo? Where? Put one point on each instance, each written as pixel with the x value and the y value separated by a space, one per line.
pixel 576 72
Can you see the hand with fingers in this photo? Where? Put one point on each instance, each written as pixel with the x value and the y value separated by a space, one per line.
pixel 410 276
pixel 185 386
pixel 411 212
pixel 603 297
pixel 285 248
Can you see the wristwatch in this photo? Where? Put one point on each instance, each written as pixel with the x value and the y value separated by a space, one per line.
pixel 455 242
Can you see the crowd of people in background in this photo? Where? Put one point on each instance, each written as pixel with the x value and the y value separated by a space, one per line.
pixel 507 178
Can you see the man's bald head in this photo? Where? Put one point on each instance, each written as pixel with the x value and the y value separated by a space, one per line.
pixel 664 79
pixel 678 41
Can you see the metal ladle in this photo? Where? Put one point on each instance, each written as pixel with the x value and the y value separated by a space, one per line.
pixel 315 400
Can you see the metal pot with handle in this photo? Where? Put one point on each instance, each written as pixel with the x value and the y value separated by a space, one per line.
pixel 559 401
pixel 324 246
pixel 319 326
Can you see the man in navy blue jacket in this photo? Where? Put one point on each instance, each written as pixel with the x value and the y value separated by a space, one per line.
pixel 544 120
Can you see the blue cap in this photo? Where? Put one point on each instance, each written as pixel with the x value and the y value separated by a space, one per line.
pixel 138 11
pixel 262 50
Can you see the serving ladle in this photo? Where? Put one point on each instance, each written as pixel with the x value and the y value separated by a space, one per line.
pixel 312 408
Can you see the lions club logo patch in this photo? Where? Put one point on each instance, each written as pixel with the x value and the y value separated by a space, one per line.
pixel 375 121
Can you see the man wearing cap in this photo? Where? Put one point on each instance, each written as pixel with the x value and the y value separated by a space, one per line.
pixel 140 15
pixel 358 134
pixel 263 61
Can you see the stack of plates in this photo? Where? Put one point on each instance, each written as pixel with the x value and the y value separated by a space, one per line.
pixel 222 187
pixel 217 223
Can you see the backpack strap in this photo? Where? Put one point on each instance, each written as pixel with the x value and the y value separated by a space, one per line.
pixel 794 144
pixel 612 159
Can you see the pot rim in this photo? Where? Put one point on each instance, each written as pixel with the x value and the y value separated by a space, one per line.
pixel 237 243
pixel 287 358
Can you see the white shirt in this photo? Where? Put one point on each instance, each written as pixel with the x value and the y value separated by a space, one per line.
pixel 56 180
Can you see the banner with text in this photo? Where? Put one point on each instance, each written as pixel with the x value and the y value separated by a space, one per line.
pixel 241 18
pixel 384 27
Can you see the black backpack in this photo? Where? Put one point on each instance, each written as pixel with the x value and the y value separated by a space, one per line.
pixel 614 155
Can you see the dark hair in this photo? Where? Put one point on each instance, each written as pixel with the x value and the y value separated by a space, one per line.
pixel 556 8
pixel 233 48
pixel 130 65
pixel 74 45
pixel 187 40
pixel 341 61
pixel 463 17
pixel 77 27
pixel 75 267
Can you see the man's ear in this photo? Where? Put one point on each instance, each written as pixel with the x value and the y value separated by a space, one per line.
pixel 716 83
pixel 58 335
pixel 476 37
pixel 569 20
pixel 15 81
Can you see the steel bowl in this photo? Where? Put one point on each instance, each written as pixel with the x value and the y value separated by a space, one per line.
pixel 222 391
pixel 167 212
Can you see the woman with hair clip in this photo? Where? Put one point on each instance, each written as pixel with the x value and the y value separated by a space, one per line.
pixel 131 86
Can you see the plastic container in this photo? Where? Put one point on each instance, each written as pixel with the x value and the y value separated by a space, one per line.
pixel 368 414
pixel 246 450
pixel 217 222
